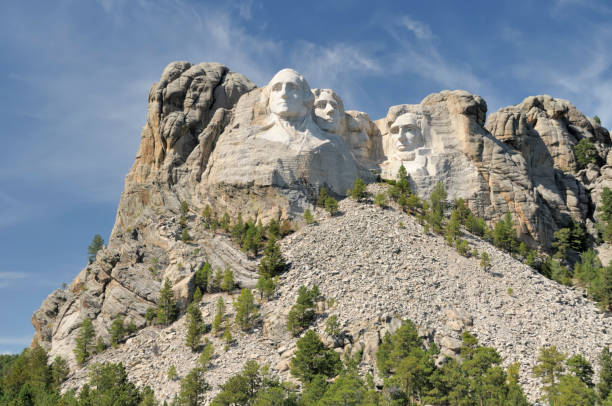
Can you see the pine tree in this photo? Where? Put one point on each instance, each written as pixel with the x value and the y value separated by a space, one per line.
pixel 485 261
pixel 117 331
pixel 219 316
pixel 453 227
pixel 197 295
pixel 604 387
pixel 246 311
pixel 96 245
pixel 605 204
pixel 549 369
pixel 84 341
pixel 207 216
pixel 586 153
pixel 272 263
pixel 228 280
pixel 166 307
pixel 359 190
pixel 194 327
pixel 184 208
pixel 323 195
pixel 311 358
pixel 265 286
pixel 207 354
pixel 202 277
pixel 308 217
pixel 331 205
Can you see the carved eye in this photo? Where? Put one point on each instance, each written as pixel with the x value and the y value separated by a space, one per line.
pixel 291 86
pixel 277 87
pixel 334 105
pixel 394 130
pixel 320 104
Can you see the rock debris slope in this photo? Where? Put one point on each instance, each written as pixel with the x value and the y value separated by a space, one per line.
pixel 374 267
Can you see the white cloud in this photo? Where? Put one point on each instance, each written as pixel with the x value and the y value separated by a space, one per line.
pixel 23 341
pixel 418 28
pixel 7 278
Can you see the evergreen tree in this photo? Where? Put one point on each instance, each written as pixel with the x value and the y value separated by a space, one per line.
pixel 308 217
pixel 117 331
pixel 331 205
pixel 504 234
pixel 225 222
pixel 453 227
pixel 193 388
pixel 202 277
pixel 581 368
pixel 150 314
pixel 485 261
pixel 207 216
pixel 302 314
pixel 185 237
pixel 197 295
pixel 311 358
pixel 228 280
pixel 380 199
pixel 172 374
pixel 84 341
pixel 359 190
pixel 272 263
pixel 246 311
pixel 265 286
pixel 219 316
pixel 166 307
pixel 194 327
pixel 605 204
pixel 207 354
pixel 184 208
pixel 59 371
pixel 562 242
pixel 549 369
pixel 586 153
pixel 438 199
pixel 604 387
pixel 96 245
pixel 323 195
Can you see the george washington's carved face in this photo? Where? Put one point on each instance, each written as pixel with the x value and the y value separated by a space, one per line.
pixel 327 111
pixel 406 136
pixel 290 96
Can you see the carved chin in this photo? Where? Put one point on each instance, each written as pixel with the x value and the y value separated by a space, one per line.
pixel 329 126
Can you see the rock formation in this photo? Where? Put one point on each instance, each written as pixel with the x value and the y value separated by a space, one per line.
pixel 212 138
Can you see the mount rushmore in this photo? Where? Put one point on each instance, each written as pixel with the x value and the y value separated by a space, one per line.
pixel 211 137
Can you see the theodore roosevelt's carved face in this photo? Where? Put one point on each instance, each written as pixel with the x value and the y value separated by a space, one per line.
pixel 328 111
pixel 406 136
pixel 290 96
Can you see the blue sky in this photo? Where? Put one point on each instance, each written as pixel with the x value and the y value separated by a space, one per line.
pixel 75 75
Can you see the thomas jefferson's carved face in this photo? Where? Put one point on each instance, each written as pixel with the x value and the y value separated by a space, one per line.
pixel 288 95
pixel 328 114
pixel 406 135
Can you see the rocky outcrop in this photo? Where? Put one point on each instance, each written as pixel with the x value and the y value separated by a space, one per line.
pixel 212 138
pixel 544 131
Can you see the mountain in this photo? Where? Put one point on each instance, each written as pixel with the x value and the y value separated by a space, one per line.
pixel 212 140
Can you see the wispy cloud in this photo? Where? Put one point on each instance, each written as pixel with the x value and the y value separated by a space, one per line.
pixel 418 28
pixel 8 278
pixel 23 340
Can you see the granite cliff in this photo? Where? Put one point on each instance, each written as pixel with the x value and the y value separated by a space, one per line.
pixel 212 138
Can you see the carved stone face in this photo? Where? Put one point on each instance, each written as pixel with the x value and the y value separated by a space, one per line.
pixel 328 114
pixel 406 136
pixel 289 95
